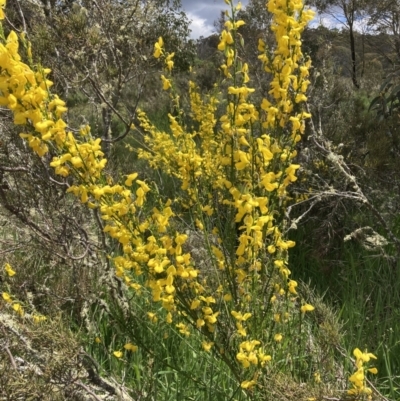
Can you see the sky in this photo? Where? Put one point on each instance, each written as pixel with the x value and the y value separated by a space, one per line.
pixel 204 13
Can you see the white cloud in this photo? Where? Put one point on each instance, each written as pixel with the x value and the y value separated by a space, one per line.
pixel 203 14
pixel 199 26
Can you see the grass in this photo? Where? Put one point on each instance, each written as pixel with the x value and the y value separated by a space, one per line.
pixel 175 369
pixel 356 305
pixel 363 289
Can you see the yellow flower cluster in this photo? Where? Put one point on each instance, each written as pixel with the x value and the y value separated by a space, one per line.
pixel 7 297
pixel 249 355
pixel 290 72
pixel 357 379
pixel 234 172
pixel 25 91
pixel 16 305
pixel 239 166
pixel 119 354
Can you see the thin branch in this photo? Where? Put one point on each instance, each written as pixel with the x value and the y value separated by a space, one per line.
pixel 14 365
pixel 103 98
pixel 88 390
pixel 11 250
pixel 14 169
pixel 377 391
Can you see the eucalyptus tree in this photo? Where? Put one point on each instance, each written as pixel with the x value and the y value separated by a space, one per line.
pixel 385 21
pixel 346 12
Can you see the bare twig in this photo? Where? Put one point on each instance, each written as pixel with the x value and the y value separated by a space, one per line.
pixel 374 389
pixel 14 365
pixel 14 169
pixel 22 19
pixel 88 390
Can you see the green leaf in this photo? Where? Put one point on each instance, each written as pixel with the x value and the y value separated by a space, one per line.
pixel 374 102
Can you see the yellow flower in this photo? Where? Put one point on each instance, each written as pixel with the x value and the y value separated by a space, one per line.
pixel 118 354
pixel 158 47
pixel 130 178
pixel 227 297
pixel 292 286
pixel 130 347
pixel 39 318
pixel 358 377
pixel 238 24
pixel 207 345
pixel 169 62
pixel 6 297
pixel 261 47
pixel 278 337
pixel 9 270
pixel 300 97
pixel 152 316
pixel 199 224
pixel 240 317
pixel 248 384
pixel 166 83
pixel 226 39
pixel 168 319
pixel 307 308
pixel 183 329
pixel 2 5
pixel 363 356
pixel 18 308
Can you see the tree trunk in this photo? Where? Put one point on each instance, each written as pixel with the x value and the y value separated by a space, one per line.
pixel 353 57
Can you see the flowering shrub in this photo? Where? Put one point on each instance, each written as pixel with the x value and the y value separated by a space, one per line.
pixel 239 169
pixel 234 172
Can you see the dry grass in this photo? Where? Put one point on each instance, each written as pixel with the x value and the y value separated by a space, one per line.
pixel 45 361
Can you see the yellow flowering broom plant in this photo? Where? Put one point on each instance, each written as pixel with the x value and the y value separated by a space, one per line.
pixel 234 172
